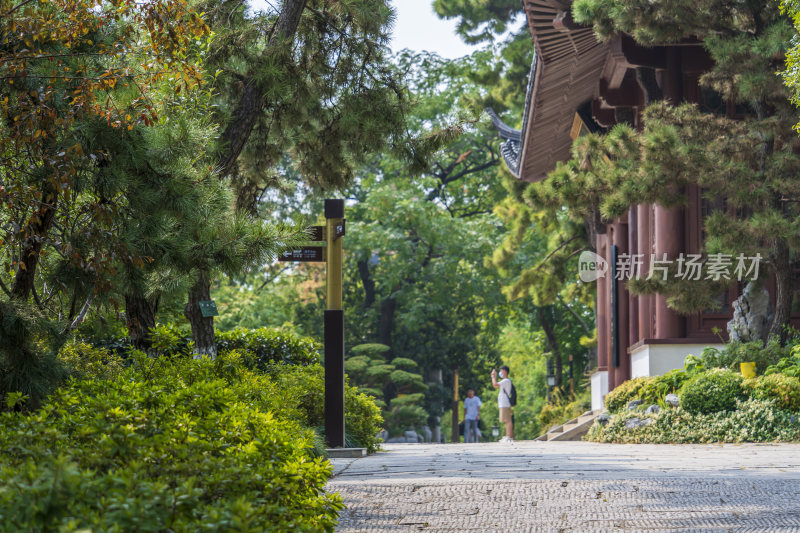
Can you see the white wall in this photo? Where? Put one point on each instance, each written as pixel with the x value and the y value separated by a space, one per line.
pixel 658 359
pixel 599 389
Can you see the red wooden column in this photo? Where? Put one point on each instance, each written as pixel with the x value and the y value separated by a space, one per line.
pixel 669 239
pixel 603 310
pixel 609 341
pixel 669 230
pixel 633 301
pixel 644 246
pixel 622 372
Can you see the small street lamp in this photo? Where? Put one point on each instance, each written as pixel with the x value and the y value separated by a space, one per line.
pixel 495 431
pixel 551 380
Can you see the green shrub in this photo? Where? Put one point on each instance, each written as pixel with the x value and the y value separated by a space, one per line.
pixel 788 366
pixel 735 352
pixel 261 347
pixel 84 361
pixel 654 391
pixel 713 390
pixel 363 420
pixel 166 445
pixel 270 346
pixel 751 421
pixel 305 386
pixel 562 410
pixel 618 398
pixel 783 390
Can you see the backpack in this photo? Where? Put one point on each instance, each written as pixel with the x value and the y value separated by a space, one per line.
pixel 512 398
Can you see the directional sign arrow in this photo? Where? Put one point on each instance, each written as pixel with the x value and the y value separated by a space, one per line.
pixel 304 254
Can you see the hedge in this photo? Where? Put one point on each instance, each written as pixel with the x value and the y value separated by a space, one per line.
pixel 750 421
pixel 165 445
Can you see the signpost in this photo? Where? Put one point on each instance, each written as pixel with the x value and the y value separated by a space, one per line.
pixel 331 253
pixel 305 254
pixel 334 326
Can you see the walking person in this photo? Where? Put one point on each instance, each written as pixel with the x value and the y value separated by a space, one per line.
pixel 472 413
pixel 504 401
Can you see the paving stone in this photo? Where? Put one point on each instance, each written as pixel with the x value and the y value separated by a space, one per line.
pixel 571 486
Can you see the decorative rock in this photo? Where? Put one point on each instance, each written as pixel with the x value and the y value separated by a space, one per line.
pixel 411 436
pixel 633 404
pixel 603 419
pixel 653 409
pixel 634 423
pixel 672 399
pixel 752 314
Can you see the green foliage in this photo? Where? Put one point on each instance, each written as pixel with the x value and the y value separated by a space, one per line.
pixel 783 390
pixel 653 391
pixel 363 419
pixel 712 391
pixel 397 389
pixel 28 344
pixel 404 412
pixel 617 400
pixel 789 366
pixel 270 346
pixel 84 361
pixel 751 421
pixel 561 410
pixel 304 387
pixel 180 444
pixel 735 352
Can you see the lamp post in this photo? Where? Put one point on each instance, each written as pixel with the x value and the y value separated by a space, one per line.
pixel 551 377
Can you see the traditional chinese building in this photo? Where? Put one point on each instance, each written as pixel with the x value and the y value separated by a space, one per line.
pixel 579 85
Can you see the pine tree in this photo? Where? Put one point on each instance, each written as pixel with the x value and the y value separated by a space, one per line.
pixel 751 164
pixel 74 77
pixel 309 86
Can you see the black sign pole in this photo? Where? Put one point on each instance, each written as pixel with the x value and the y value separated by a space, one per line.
pixel 334 327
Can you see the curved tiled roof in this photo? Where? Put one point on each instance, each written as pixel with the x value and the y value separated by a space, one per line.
pixel 567 65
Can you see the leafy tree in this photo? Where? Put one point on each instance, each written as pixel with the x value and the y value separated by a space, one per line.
pixel 536 258
pixel 75 77
pixel 307 86
pixel 397 389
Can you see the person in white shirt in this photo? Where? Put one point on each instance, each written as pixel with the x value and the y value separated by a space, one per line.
pixel 472 413
pixel 504 401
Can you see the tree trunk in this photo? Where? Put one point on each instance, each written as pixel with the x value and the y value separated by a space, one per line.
pixel 140 316
pixel 37 231
pixel 234 137
pixel 783 290
pixel 202 327
pixel 251 102
pixel 552 341
pixel 368 283
pixel 386 321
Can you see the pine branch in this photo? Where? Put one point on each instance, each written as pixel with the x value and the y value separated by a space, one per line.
pixel 576 315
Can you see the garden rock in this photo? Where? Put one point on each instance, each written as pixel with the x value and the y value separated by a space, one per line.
pixel 411 436
pixel 634 423
pixel 653 409
pixel 633 404
pixel 603 419
pixel 752 314
pixel 672 399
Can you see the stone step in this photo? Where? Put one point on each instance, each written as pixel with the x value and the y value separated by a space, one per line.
pixel 573 429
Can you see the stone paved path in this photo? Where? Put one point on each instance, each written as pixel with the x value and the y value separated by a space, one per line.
pixel 571 486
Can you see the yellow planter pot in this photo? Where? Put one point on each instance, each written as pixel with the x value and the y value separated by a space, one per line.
pixel 748 369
